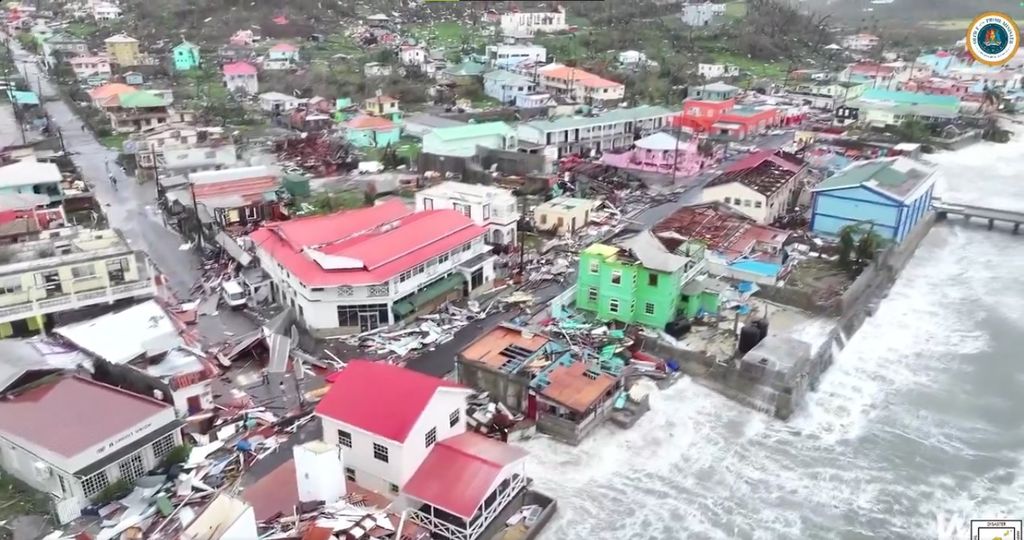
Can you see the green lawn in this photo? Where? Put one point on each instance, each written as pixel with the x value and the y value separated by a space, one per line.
pixel 448 34
pixel 81 29
pixel 113 142
pixel 736 10
pixel 756 68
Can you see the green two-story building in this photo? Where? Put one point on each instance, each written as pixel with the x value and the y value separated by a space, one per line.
pixel 640 280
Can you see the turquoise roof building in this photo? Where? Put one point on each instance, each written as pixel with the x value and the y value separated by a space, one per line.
pixel 461 141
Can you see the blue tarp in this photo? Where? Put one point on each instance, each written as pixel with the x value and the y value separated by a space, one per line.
pixel 23 98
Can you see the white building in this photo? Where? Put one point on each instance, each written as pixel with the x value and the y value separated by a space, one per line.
pixel 357 270
pixel 453 482
pixel 71 437
pixel 105 11
pixel 145 337
pixel 412 55
pixel 860 42
pixel 376 69
pixel 382 451
pixel 614 129
pixel 762 187
pixel 276 102
pixel 69 269
pixel 492 207
pixel 524 24
pixel 579 86
pixel 700 14
pixel 714 71
pixel 634 59
pixel 508 55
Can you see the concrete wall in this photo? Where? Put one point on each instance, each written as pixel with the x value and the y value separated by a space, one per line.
pixel 854 307
pixel 509 390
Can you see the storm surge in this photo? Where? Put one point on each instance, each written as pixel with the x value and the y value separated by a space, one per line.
pixel 916 420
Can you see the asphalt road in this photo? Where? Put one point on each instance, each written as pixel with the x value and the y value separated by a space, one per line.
pixel 131 207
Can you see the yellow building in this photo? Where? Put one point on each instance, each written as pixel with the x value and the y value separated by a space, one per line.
pixel 65 270
pixel 563 215
pixel 123 50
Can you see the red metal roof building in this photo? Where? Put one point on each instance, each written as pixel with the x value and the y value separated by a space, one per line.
pixel 470 477
pixel 359 269
pixel 380 398
pixel 84 435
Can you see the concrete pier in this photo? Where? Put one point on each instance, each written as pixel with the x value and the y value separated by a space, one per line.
pixel 944 209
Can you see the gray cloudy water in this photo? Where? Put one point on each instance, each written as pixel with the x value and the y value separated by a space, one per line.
pixel 922 415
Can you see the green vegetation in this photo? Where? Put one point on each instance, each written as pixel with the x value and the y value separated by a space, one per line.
pixel 329 202
pixel 768 70
pixel 81 29
pixel 449 34
pixel 736 10
pixel 28 41
pixel 17 499
pixel 857 247
pixel 114 142
pixel 113 492
pixel 178 454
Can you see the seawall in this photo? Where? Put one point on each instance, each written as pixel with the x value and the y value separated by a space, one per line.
pixel 779 386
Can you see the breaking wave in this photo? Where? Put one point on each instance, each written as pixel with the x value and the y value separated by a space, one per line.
pixel 914 419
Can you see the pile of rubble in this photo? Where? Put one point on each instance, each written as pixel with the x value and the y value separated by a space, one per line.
pixel 315 153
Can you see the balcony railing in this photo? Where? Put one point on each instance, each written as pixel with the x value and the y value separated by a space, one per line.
pixel 66 302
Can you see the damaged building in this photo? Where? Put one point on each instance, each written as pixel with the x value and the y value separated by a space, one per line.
pixel 358 270
pixel 567 394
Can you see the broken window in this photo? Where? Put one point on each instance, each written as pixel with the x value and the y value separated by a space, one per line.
pixel 454 417
pixel 430 438
pixel 344 438
pixel 350 474
pixel 613 305
pixel 616 277
pixel 380 452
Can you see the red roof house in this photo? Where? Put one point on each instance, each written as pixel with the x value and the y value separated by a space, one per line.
pixel 80 428
pixel 239 68
pixel 380 398
pixel 459 473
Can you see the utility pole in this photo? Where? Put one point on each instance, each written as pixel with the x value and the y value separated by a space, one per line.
pixel 195 210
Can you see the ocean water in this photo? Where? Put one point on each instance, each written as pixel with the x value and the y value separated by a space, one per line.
pixel 919 422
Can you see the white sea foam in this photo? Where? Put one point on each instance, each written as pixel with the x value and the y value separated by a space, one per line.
pixel 874 454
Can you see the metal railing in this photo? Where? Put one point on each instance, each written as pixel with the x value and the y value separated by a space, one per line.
pixel 76 300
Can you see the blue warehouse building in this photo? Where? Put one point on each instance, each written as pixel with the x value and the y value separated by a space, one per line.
pixel 892 194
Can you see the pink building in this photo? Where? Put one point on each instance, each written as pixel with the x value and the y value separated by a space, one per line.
pixel 660 152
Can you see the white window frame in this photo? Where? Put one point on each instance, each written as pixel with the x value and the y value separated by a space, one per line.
pixel 616 278
pixel 613 305
pixel 592 294
pixel 93 484
pixel 595 267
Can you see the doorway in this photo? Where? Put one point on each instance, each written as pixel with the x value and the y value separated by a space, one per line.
pixel 368 321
